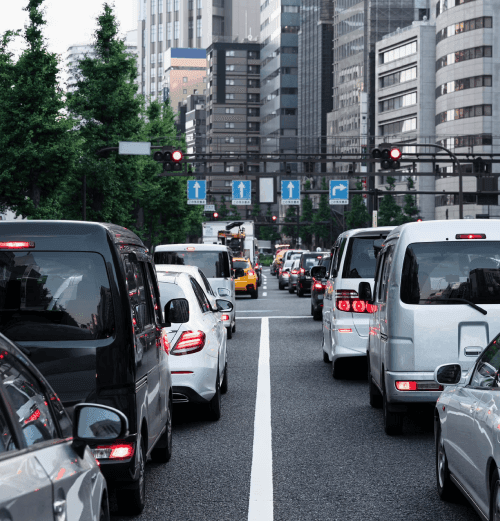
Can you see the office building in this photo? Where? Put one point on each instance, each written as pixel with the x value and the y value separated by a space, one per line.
pixel 165 24
pixel 405 103
pixel 280 24
pixel 195 126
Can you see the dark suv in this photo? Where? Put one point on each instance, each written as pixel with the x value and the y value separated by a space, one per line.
pixel 307 261
pixel 82 300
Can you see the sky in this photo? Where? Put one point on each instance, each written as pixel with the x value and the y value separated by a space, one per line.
pixel 68 21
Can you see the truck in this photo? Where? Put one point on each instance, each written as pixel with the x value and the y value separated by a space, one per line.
pixel 237 235
pixel 265 247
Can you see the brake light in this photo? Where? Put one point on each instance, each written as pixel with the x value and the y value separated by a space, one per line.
pixel 251 273
pixel 165 342
pixel 470 236
pixel 302 271
pixel 406 386
pixel 189 342
pixel 33 417
pixel 225 317
pixel 345 330
pixel 347 301
pixel 181 372
pixel 371 308
pixel 318 285
pixel 16 245
pixel 421 385
pixel 118 451
pixel 294 272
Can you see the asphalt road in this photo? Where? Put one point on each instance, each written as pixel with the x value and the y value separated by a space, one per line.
pixel 330 457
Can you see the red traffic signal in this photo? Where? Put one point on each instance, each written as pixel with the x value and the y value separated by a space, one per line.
pixel 177 156
pixel 395 154
pixel 216 215
pixel 274 217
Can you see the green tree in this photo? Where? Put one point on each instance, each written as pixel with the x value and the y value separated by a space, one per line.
pixel 357 216
pixel 290 230
pixel 389 213
pixel 37 151
pixel 234 212
pixel 324 213
pixel 306 230
pixel 410 209
pixel 222 209
pixel 109 110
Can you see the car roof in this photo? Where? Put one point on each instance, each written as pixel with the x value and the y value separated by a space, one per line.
pixel 241 259
pixel 172 277
pixel 368 231
pixel 196 247
pixel 177 268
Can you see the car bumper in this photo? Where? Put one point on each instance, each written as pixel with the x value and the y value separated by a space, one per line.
pixel 201 378
pixel 304 284
pixel 409 397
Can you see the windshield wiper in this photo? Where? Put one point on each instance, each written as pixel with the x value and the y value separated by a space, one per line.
pixel 465 301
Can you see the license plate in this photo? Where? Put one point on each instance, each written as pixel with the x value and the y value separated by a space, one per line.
pixel 308 277
pixel 320 297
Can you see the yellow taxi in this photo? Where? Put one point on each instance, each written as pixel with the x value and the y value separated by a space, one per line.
pixel 245 278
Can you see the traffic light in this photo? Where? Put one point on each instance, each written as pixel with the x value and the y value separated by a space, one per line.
pixel 216 215
pixel 274 218
pixel 309 167
pixel 171 159
pixel 389 157
pixel 242 169
pixel 288 169
pixel 478 165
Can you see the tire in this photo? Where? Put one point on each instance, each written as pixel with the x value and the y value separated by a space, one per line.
pixel 255 293
pixel 393 421
pixel 375 396
pixel 104 511
pixel 446 489
pixel 312 310
pixel 337 368
pixel 325 358
pixel 229 333
pixel 163 453
pixel 214 407
pixel 318 314
pixel 234 326
pixel 290 288
pixel 300 293
pixel 131 500
pixel 223 387
pixel 494 497
pixel 260 282
pixel 280 286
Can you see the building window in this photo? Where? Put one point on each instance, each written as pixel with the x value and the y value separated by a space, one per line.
pixel 169 6
pixel 462 84
pixel 443 5
pixel 199 4
pixel 253 98
pixel 253 141
pixel 198 28
pixel 190 5
pixel 229 95
pixel 160 33
pixel 406 125
pixel 253 112
pixel 144 38
pixel 229 82
pixel 229 67
pixel 169 31
pixel 467 54
pixel 153 6
pixel 462 113
pixel 485 22
pixel 218 26
pixel 398 52
pixel 398 77
pixel 253 55
pixel 176 30
pixel 253 84
pixel 176 5
pixel 229 124
pixel 398 102
pixel 185 80
pixel 153 33
pixel 294 29
pixel 253 69
pixel 190 28
pixel 229 140
pixel 160 6
pixel 289 8
pixel 230 53
pixel 229 111
pixel 153 60
pixel 184 91
pixel 253 126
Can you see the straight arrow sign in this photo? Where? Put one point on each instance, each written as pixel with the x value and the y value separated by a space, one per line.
pixel 290 190
pixel 241 186
pixel 196 189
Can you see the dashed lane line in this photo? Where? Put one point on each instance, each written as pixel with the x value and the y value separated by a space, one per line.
pixel 289 316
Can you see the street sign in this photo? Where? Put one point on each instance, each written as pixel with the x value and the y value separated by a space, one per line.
pixel 339 192
pixel 267 190
pixel 134 148
pixel 242 192
pixel 290 192
pixel 197 192
pixel 209 208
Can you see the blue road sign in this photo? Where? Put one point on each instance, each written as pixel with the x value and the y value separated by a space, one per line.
pixel 242 192
pixel 339 192
pixel 290 192
pixel 197 192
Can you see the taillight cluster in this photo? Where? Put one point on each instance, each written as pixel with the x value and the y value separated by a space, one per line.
pixel 347 301
pixel 189 342
pixel 251 273
pixel 294 272
pixel 319 286
pixel 418 386
pixel 302 271
pixel 114 451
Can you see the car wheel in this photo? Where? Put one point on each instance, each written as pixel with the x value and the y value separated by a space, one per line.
pixel 104 512
pixel 223 387
pixel 300 293
pixel 255 293
pixel 280 286
pixel 234 326
pixel 375 396
pixel 260 282
pixel 446 488
pixel 215 404
pixel 131 500
pixel 337 368
pixel 393 421
pixel 229 333
pixel 163 452
pixel 290 288
pixel 318 314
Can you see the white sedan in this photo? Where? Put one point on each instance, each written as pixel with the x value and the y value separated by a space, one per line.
pixel 467 428
pixel 197 339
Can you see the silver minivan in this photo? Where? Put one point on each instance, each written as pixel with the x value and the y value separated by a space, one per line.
pixel 436 300
pixel 216 262
pixel 345 315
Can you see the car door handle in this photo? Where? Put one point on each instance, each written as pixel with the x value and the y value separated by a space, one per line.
pixel 472 351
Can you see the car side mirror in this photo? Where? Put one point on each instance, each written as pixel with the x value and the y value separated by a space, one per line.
pixel 177 311
pixel 365 291
pixel 448 374
pixel 318 272
pixel 224 305
pixel 94 423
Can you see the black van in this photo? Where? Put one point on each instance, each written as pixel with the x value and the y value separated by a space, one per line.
pixel 81 299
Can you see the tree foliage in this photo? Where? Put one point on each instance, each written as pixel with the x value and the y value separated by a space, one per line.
pixel 324 213
pixel 306 230
pixel 291 217
pixel 357 216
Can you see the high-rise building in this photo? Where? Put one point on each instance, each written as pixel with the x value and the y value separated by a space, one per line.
pixel 279 28
pixel 188 24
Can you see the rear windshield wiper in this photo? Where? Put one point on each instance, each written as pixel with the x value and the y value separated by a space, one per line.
pixel 465 301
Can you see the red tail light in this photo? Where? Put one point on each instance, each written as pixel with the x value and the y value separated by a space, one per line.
pixel 318 285
pixel 189 342
pixel 419 385
pixel 302 271
pixel 117 451
pixel 358 306
pixel 406 386
pixel 225 317
pixel 347 301
pixel 16 245
pixel 470 236
pixel 294 272
pixel 371 308
pixel 251 273
pixel 165 342
pixel 343 304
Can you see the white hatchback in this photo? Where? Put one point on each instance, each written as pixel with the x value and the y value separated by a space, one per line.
pixel 197 339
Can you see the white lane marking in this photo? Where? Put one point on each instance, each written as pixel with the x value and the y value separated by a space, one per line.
pixel 260 505
pixel 258 318
pixel 254 311
pixel 265 287
pixel 264 294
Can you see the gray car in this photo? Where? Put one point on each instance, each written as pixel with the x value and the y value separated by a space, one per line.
pixel 284 274
pixel 294 276
pixel 45 463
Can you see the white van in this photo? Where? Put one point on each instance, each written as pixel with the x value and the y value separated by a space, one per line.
pixel 436 300
pixel 345 315
pixel 214 260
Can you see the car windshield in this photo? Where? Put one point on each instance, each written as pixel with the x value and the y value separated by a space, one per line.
pixel 240 264
pixel 288 264
pixel 437 272
pixel 214 264
pixel 46 296
pixel 361 257
pixel 310 261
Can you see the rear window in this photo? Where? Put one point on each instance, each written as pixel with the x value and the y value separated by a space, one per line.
pixel 308 261
pixel 169 291
pixel 438 272
pixel 50 296
pixel 241 264
pixel 361 257
pixel 214 264
pixel 325 261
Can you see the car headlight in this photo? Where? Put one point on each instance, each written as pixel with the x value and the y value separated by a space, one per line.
pixel 224 292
